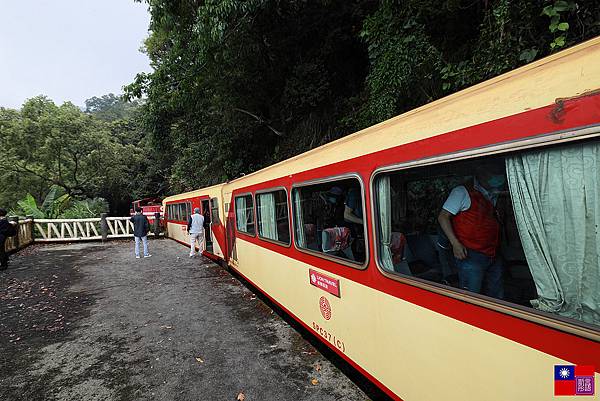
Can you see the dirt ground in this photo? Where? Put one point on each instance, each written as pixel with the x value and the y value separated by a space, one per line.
pixel 90 322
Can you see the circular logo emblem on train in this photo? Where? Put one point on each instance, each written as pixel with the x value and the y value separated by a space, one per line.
pixel 325 308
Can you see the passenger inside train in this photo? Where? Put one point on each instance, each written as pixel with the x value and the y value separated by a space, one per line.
pixel 470 225
pixel 522 228
pixel 419 246
pixel 328 219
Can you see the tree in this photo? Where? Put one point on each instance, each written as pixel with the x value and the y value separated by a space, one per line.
pixel 110 107
pixel 57 144
pixel 238 85
pixel 46 145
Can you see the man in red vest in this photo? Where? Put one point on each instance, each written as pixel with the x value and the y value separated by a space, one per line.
pixel 469 220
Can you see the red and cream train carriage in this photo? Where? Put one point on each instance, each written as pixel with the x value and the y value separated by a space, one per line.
pixel 178 209
pixel 381 292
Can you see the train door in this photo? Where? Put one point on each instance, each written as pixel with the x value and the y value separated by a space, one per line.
pixel 207 225
pixel 229 222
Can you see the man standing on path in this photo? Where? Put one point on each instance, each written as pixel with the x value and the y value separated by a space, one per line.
pixel 196 230
pixel 7 229
pixel 141 226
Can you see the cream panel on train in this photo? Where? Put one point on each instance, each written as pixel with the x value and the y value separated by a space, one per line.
pixel 417 353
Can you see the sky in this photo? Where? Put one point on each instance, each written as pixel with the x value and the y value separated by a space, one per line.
pixel 69 50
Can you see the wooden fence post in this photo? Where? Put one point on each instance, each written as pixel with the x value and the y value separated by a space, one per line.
pixel 16 237
pixel 103 226
pixel 31 228
pixel 157 226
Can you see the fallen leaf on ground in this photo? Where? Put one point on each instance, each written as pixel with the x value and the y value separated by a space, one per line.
pixel 199 359
pixel 318 367
pixel 314 381
pixel 241 396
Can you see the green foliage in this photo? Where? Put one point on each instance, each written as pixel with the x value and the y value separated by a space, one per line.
pixel 55 203
pixel 110 107
pixel 238 85
pixel 87 208
pixel 557 12
pixel 51 149
pixel 28 207
pixel 60 207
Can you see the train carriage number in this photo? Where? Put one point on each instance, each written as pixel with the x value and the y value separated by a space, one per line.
pixel 339 344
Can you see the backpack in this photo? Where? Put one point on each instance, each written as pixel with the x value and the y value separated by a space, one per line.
pixel 335 239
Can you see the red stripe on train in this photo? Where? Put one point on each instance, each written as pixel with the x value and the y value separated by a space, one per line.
pixel 570 114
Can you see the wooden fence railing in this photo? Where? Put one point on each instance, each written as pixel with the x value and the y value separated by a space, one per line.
pixel 71 230
pixel 23 238
pixel 51 230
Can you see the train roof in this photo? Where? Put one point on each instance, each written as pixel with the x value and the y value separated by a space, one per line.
pixel 194 193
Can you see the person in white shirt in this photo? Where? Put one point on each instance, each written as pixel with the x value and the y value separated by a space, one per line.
pixel 196 230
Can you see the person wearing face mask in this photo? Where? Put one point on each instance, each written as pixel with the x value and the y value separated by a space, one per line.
pixel 469 219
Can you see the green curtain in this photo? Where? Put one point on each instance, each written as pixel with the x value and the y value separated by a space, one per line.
pixel 384 200
pixel 556 199
pixel 240 214
pixel 299 223
pixel 268 221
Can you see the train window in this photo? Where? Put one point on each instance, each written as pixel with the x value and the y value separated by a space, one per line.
pixel 214 210
pixel 272 216
pixel 179 211
pixel 244 214
pixel 522 228
pixel 328 218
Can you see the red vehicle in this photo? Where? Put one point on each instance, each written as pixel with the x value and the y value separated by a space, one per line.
pixel 149 206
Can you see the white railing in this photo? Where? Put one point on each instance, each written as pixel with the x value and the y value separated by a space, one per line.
pixel 68 229
pixel 56 230
pixel 119 227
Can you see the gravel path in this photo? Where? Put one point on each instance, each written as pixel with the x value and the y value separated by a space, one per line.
pixel 90 322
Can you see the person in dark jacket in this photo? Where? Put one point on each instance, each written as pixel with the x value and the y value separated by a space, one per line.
pixel 7 229
pixel 141 226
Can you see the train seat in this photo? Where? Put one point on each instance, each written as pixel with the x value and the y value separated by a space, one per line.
pixel 422 257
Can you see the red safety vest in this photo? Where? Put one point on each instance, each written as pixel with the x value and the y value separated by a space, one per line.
pixel 477 227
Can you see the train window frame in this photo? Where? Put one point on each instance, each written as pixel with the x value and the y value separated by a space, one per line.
pixel 565 324
pixel 214 208
pixel 287 199
pixel 366 215
pixel 237 230
pixel 177 211
pixel 174 209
